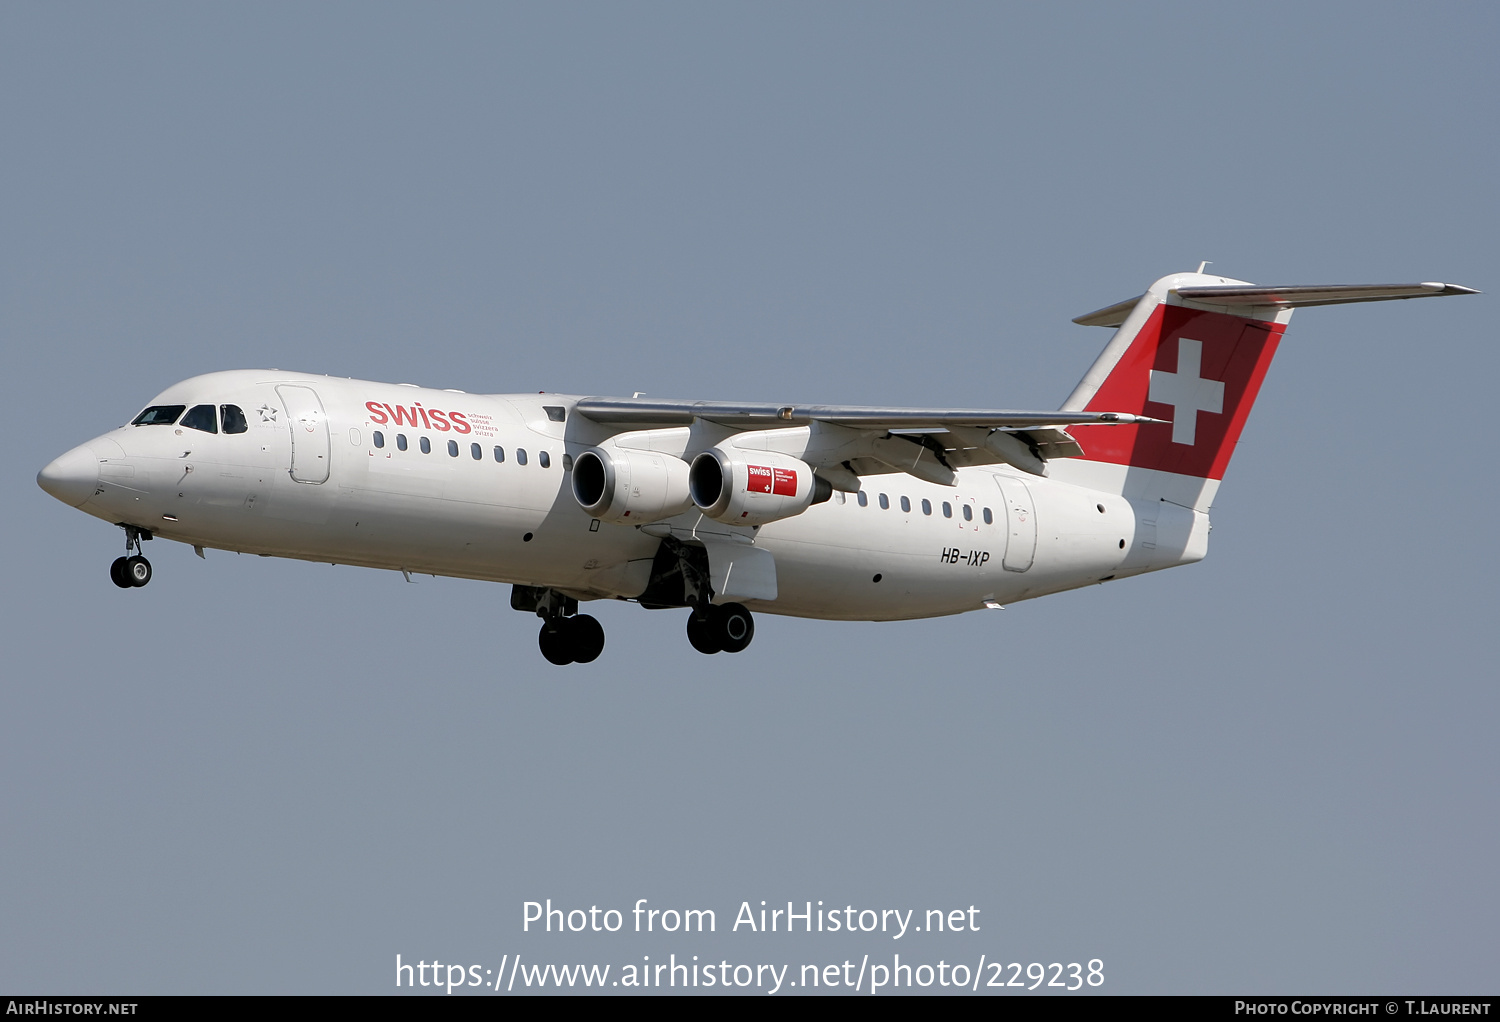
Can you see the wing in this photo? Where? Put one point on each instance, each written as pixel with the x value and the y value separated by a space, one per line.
pixel 927 442
pixel 639 413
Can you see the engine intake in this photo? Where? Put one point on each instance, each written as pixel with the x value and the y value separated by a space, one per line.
pixel 630 487
pixel 741 487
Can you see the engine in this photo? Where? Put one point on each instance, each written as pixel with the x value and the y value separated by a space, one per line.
pixel 630 487
pixel 742 487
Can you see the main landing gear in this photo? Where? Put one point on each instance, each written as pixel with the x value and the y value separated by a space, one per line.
pixel 567 637
pixel 131 571
pixel 571 640
pixel 727 628
pixel 680 578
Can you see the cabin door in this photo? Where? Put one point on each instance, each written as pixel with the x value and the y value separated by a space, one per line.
pixel 309 425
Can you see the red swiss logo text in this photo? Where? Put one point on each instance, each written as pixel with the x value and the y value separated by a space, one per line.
pixel 416 415
pixel 782 481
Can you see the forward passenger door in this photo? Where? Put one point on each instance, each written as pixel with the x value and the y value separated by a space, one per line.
pixel 309 426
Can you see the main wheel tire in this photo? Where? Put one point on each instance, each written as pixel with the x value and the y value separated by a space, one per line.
pixel 117 574
pixel 137 570
pixel 553 640
pixel 735 627
pixel 702 634
pixel 586 637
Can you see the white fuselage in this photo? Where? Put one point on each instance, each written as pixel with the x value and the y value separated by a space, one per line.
pixel 332 482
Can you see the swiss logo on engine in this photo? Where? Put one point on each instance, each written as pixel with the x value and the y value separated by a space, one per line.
pixel 781 481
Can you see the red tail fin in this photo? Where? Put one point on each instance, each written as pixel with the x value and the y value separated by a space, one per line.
pixel 1193 350
pixel 1199 370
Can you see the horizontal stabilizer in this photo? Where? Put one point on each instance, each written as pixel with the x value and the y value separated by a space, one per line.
pixel 1112 315
pixel 1301 295
pixel 1292 297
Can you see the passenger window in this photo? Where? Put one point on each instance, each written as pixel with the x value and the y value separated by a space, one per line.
pixel 864 500
pixel 500 454
pixel 905 504
pixel 555 413
pixel 544 459
pixel 158 415
pixel 426 445
pixel 885 502
pixel 839 497
pixel 926 506
pixel 968 513
pixel 476 452
pixel 520 455
pixel 452 448
pixel 400 441
pixel 989 519
pixel 377 438
pixel 202 417
pixel 947 510
pixel 233 419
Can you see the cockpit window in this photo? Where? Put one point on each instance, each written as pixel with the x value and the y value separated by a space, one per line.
pixel 158 415
pixel 234 419
pixel 202 417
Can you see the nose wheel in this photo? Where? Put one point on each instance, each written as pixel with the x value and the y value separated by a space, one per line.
pixel 720 629
pixel 131 571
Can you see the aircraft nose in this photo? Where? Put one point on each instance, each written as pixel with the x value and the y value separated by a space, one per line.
pixel 71 478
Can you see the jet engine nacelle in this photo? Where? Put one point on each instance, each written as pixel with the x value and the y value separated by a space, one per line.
pixel 746 487
pixel 630 487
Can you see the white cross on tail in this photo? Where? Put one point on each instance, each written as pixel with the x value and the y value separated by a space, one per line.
pixel 1186 391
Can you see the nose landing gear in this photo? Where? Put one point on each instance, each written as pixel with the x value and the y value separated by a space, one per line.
pixel 131 571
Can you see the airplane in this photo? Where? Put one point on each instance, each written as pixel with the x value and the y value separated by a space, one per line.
pixel 820 511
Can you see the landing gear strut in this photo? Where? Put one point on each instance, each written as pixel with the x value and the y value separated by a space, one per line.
pixel 131 571
pixel 567 637
pixel 727 628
